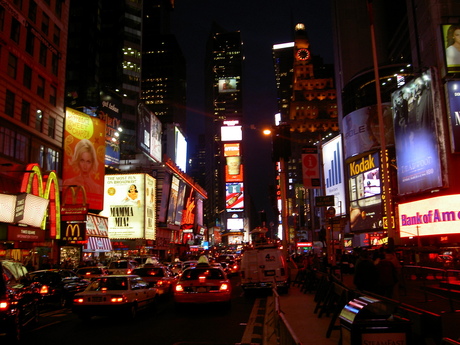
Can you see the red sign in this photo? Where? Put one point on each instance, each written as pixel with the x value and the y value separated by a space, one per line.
pixel 304 244
pixel 25 233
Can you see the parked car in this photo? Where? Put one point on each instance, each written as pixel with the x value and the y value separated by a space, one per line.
pixel 203 284
pixel 92 272
pixel 116 295
pixel 59 285
pixel 19 300
pixel 122 266
pixel 157 276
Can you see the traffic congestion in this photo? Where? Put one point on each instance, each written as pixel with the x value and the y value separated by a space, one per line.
pixel 121 290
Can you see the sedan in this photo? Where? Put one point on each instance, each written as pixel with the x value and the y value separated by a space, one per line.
pixel 203 284
pixel 157 276
pixel 117 295
pixel 91 272
pixel 59 285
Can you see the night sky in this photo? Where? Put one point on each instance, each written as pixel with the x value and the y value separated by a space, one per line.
pixel 262 24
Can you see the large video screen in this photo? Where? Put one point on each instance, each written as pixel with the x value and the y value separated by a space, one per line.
pixel 227 85
pixel 365 193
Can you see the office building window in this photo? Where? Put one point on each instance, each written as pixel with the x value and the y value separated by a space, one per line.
pixel 30 42
pixel 45 23
pixel 32 10
pixel 25 112
pixel 57 35
pixel 52 160
pixel 27 77
pixel 41 87
pixel 7 141
pixel 58 9
pixel 54 64
pixel 2 17
pixel 43 52
pixel 51 126
pixel 39 120
pixel 9 103
pixel 53 95
pixel 12 65
pixel 15 30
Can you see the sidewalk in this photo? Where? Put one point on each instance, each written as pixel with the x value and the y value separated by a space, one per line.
pixel 298 308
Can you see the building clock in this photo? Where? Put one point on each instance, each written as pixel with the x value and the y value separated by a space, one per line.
pixel 303 54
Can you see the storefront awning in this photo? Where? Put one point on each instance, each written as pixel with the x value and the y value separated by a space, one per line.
pixel 98 245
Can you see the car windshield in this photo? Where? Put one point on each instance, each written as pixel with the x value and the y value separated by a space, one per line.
pixel 209 273
pixel 152 272
pixel 113 283
pixel 93 270
pixel 119 264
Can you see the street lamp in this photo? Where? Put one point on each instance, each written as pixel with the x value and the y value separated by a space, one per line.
pixel 281 152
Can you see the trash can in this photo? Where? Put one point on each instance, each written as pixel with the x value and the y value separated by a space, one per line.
pixel 366 320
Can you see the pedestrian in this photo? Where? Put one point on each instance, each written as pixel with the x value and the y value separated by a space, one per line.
pixel 387 276
pixel 365 278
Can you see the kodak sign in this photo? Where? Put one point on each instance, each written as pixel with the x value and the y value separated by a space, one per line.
pixel 360 166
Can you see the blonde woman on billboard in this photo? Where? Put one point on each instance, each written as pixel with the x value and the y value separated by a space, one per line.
pixel 453 45
pixel 84 162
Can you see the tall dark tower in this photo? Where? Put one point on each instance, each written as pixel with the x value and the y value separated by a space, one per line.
pixel 224 108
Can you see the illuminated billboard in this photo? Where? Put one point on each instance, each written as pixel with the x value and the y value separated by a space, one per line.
pixel 234 196
pixel 450 43
pixel 110 112
pixel 365 193
pixel 333 173
pixel 173 195
pixel 227 85
pixel 235 224
pixel 233 169
pixel 129 204
pixel 84 155
pixel 361 130
pixel 453 93
pixel 232 149
pixel 416 142
pixel 231 133
pixel 181 150
pixel 149 132
pixel 433 216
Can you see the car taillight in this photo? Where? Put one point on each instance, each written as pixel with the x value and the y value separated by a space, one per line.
pixel 160 282
pixel 235 267
pixel 179 288
pixel 202 279
pixel 224 287
pixel 78 300
pixel 4 305
pixel 44 290
pixel 129 271
pixel 117 299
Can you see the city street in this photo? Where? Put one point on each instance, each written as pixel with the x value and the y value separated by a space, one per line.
pixel 194 324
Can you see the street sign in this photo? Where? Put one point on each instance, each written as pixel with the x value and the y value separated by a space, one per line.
pixel 327 200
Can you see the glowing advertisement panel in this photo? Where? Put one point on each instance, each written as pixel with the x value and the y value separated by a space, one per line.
pixel 125 202
pixel 451 53
pixel 173 195
pixel 233 169
pixel 110 113
pixel 453 93
pixel 365 193
pixel 417 150
pixel 84 155
pixel 361 130
pixel 231 133
pixel 150 205
pixel 149 132
pixel 181 150
pixel 333 173
pixel 227 85
pixel 235 224
pixel 433 216
pixel 234 196
pixel 180 203
pixel 232 149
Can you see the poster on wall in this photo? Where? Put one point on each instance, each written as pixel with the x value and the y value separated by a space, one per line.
pixel 150 204
pixel 365 193
pixel 84 155
pixel 451 44
pixel 125 205
pixel 417 150
pixel 453 93
pixel 361 130
pixel 173 195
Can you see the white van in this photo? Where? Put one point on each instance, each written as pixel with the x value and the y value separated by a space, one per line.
pixel 263 267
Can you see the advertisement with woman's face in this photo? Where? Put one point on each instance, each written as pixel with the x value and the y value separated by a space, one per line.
pixel 84 151
pixel 451 40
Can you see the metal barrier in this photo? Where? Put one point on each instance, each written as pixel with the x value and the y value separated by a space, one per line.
pixel 277 328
